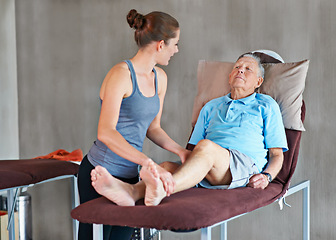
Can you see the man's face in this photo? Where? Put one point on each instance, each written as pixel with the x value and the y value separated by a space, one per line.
pixel 245 76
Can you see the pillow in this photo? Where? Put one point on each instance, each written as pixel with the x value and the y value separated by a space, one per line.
pixel 284 82
pixel 213 82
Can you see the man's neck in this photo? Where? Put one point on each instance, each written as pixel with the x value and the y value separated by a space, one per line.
pixel 239 94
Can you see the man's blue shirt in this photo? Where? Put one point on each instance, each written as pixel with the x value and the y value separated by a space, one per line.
pixel 250 125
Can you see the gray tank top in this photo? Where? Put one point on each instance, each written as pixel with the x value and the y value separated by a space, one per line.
pixel 136 114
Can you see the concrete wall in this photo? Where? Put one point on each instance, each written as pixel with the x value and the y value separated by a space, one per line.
pixel 65 48
pixel 9 128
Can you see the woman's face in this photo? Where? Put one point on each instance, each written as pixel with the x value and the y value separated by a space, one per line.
pixel 169 49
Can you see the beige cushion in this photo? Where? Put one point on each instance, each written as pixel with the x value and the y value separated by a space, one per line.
pixel 285 82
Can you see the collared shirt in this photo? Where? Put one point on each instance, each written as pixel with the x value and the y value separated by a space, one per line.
pixel 250 125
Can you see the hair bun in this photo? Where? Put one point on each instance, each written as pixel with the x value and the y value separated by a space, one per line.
pixel 135 19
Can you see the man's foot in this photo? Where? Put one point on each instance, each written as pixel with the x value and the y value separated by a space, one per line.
pixel 112 188
pixel 154 187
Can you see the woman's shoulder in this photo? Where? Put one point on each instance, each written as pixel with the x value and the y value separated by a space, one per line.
pixel 118 73
pixel 117 78
pixel 160 72
pixel 120 68
pixel 161 77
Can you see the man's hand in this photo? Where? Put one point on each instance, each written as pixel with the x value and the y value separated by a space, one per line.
pixel 273 167
pixel 258 181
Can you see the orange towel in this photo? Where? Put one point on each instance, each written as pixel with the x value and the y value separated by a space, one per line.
pixel 2 213
pixel 60 154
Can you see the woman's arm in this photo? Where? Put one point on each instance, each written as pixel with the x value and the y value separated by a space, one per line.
pixel 155 133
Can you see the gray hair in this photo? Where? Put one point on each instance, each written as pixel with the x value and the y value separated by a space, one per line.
pixel 261 68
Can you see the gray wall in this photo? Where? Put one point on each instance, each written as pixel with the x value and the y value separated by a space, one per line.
pixel 9 129
pixel 65 48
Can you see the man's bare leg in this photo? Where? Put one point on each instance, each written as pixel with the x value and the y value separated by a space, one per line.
pixel 119 192
pixel 154 187
pixel 122 193
pixel 208 160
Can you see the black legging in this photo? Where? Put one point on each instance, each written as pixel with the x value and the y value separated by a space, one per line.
pixel 87 193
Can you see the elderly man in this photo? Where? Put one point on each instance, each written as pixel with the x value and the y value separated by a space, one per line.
pixel 239 138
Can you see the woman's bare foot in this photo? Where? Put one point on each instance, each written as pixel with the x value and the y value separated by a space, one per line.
pixel 154 188
pixel 112 188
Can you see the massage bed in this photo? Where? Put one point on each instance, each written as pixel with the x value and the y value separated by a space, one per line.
pixel 17 175
pixel 200 208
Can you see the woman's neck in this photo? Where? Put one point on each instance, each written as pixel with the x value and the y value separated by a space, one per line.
pixel 143 61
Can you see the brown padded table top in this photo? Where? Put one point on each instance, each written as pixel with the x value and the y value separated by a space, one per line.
pixel 191 209
pixel 15 173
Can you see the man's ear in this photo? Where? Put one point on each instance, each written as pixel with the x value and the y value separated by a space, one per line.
pixel 260 81
pixel 160 45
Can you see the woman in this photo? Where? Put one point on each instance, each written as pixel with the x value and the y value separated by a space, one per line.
pixel 132 96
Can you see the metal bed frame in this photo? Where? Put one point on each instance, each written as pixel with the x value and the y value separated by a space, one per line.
pixel 304 186
pixel 14 192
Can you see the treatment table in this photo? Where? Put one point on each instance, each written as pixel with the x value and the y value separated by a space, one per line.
pixel 17 175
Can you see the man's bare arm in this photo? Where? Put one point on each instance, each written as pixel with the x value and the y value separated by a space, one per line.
pixel 273 168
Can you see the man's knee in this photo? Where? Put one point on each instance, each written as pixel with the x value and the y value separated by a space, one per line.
pixel 209 149
pixel 204 145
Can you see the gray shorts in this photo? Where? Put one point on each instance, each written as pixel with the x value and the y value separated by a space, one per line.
pixel 242 168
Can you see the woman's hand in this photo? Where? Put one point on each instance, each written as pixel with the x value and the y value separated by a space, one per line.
pixel 167 179
pixel 184 155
